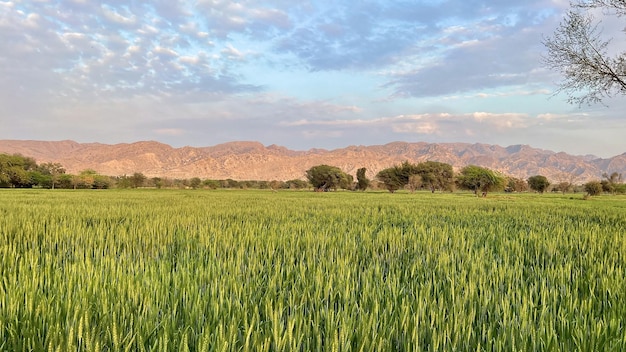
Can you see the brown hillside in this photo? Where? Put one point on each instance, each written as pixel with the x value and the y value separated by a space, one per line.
pixel 254 161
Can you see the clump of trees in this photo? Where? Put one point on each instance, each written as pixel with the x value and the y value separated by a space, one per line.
pixel 325 178
pixel 431 175
pixel 613 183
pixel 17 171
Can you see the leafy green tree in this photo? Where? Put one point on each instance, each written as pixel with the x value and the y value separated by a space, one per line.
pixel 65 181
pixel 538 183
pixel 435 175
pixel 362 182
pixel 593 188
pixel 15 170
pixel 39 179
pixel 391 178
pixel 101 182
pixel 86 178
pixel 325 177
pixel 480 179
pixel 432 175
pixel 53 170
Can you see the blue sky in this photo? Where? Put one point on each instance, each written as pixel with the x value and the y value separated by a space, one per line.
pixel 301 74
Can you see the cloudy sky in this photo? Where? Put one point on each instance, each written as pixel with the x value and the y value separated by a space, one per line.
pixel 301 74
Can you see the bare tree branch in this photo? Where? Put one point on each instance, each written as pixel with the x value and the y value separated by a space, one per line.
pixel 579 53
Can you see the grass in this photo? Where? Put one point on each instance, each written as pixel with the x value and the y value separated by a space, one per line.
pixel 162 270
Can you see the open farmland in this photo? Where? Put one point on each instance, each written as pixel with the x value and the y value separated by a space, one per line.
pixel 303 271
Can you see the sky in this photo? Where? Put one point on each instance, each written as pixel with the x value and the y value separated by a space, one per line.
pixel 300 74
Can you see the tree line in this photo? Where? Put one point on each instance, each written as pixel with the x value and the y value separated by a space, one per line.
pixel 437 176
pixel 17 171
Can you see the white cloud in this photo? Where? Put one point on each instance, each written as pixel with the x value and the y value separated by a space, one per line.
pixel 114 16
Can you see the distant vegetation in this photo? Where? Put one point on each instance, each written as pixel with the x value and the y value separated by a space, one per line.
pixel 17 171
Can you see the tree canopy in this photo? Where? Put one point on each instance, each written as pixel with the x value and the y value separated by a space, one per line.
pixel 326 177
pixel 362 181
pixel 392 178
pixel 538 183
pixel 432 175
pixel 480 179
pixel 16 170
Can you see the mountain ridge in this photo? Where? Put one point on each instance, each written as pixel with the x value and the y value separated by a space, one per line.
pixel 251 160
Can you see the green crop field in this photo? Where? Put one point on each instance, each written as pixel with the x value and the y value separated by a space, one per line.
pixel 165 270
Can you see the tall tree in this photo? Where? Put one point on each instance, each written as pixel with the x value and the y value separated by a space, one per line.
pixel 362 182
pixel 579 52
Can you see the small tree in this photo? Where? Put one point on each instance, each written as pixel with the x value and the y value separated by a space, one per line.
pixel 195 182
pixel 137 180
pixel 480 179
pixel 593 188
pixel 538 183
pixel 515 184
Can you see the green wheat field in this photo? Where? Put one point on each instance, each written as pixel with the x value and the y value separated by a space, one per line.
pixel 185 270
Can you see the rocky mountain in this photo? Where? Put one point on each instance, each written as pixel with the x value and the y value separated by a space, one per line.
pixel 254 161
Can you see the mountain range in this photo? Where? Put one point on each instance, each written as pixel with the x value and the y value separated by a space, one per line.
pixel 254 161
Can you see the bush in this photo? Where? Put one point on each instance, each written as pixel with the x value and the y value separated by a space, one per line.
pixel 593 188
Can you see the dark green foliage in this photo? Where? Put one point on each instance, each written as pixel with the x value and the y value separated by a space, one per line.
pixel 436 175
pixel 538 183
pixel 15 171
pixel 362 181
pixel 433 175
pixel 325 177
pixel 391 178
